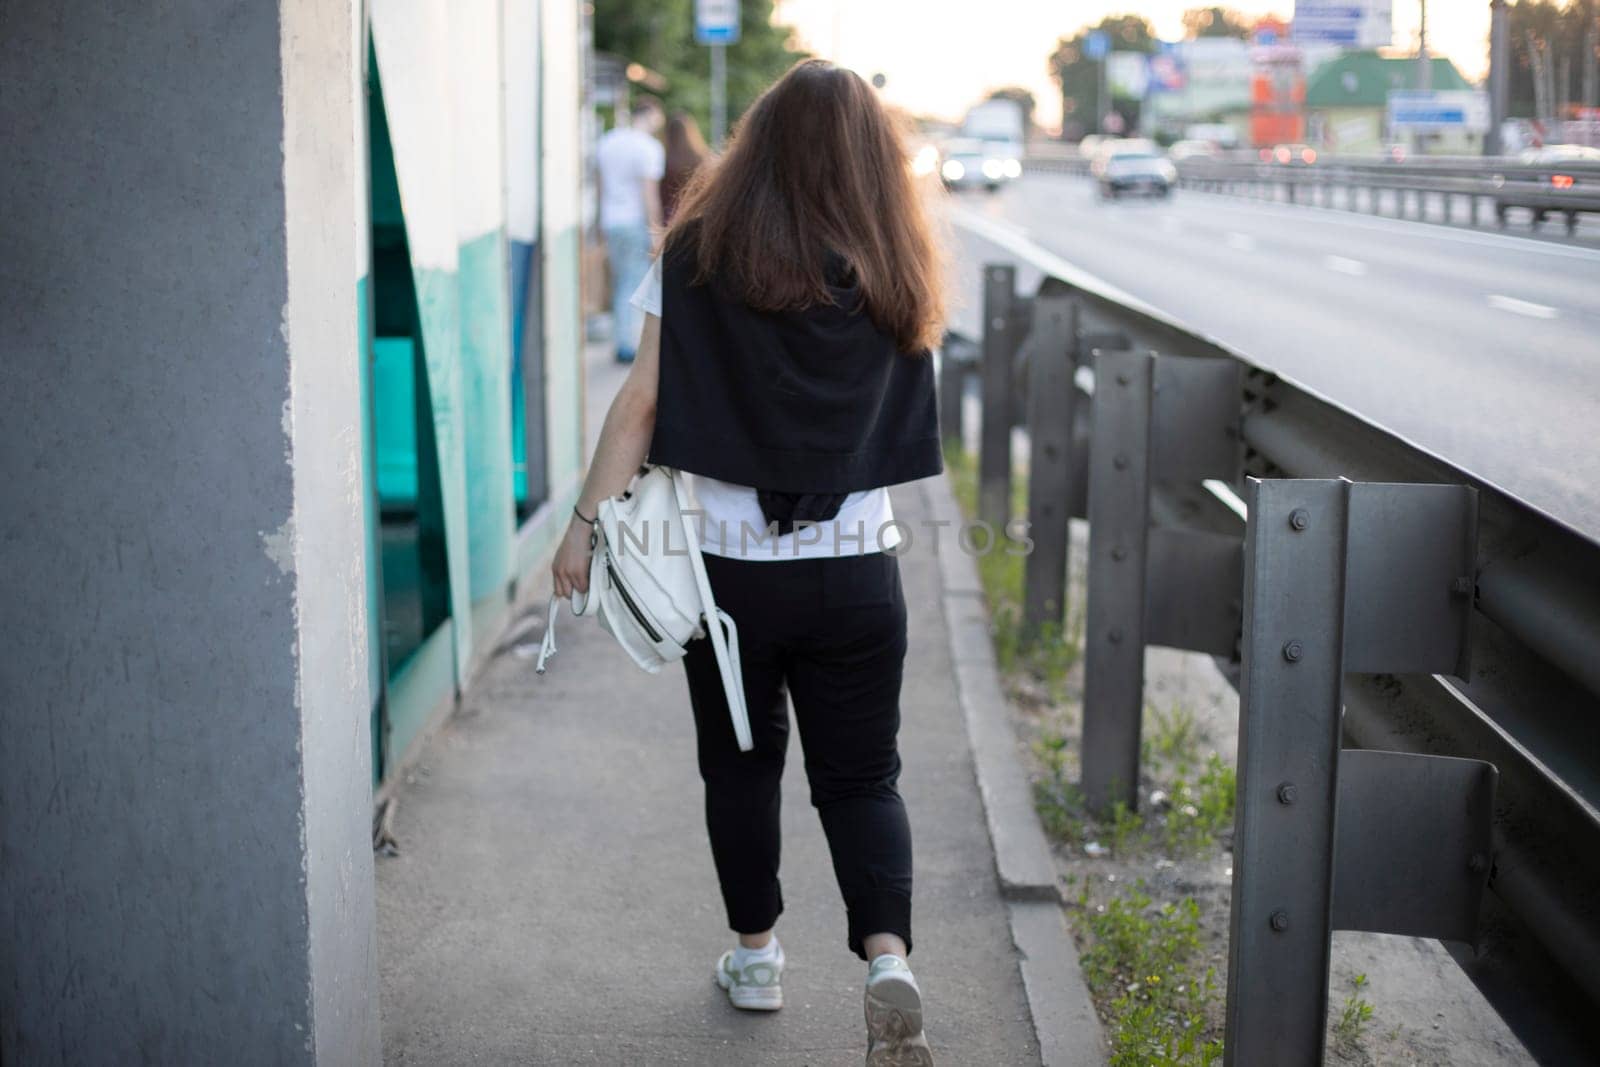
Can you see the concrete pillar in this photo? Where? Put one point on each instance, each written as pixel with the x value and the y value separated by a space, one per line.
pixel 185 761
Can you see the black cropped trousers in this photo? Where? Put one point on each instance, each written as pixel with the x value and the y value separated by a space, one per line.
pixel 830 634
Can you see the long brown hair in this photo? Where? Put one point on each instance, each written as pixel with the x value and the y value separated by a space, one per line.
pixel 818 166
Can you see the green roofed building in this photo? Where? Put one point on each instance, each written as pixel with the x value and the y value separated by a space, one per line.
pixel 1347 103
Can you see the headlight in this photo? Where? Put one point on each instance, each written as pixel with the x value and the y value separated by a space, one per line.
pixel 1013 168
pixel 952 170
pixel 926 162
pixel 1168 171
pixel 992 169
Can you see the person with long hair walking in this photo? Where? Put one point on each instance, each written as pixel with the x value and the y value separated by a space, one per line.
pixel 686 151
pixel 785 368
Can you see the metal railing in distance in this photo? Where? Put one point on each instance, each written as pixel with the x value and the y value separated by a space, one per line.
pixel 1416 651
pixel 1487 188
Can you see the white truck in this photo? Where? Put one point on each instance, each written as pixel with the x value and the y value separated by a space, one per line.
pixel 1000 126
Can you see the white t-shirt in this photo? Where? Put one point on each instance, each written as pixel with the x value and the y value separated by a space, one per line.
pixel 627 158
pixel 731 523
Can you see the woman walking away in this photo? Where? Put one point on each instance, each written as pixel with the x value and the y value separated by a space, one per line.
pixel 686 150
pixel 785 367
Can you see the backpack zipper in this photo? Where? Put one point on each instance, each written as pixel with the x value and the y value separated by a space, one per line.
pixel 633 608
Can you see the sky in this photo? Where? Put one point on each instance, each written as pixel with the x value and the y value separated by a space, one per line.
pixel 941 56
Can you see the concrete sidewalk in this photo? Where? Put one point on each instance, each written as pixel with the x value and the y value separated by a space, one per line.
pixel 554 901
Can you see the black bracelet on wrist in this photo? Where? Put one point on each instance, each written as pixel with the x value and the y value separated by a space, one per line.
pixel 581 515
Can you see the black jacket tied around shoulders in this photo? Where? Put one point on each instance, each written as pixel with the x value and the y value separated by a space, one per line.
pixel 814 403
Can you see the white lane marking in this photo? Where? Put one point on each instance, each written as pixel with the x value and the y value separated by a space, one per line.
pixel 1345 265
pixel 1522 307
pixel 1241 242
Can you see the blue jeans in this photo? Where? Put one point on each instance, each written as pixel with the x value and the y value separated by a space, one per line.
pixel 628 249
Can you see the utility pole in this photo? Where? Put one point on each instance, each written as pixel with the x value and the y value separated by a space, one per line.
pixel 1499 75
pixel 716 25
pixel 1424 71
pixel 719 94
pixel 1591 56
pixel 1424 65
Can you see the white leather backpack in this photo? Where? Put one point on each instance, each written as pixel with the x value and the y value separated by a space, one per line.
pixel 647 584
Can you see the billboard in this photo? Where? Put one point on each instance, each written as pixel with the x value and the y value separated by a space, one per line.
pixel 1438 110
pixel 1345 23
pixel 1128 75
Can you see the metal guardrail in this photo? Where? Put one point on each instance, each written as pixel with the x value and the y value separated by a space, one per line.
pixel 1417 650
pixel 1494 187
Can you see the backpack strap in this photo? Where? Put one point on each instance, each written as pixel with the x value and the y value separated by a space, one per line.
pixel 726 646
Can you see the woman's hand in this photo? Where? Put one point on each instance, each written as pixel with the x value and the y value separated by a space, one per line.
pixel 624 443
pixel 570 570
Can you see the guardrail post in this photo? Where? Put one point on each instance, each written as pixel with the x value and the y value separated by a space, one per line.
pixel 1156 420
pixel 957 359
pixel 1119 521
pixel 994 435
pixel 1365 578
pixel 1052 467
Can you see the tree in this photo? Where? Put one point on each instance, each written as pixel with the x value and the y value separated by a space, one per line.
pixel 1079 76
pixel 660 35
pixel 1215 22
pixel 1551 43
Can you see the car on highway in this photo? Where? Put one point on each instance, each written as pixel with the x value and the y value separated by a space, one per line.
pixel 1559 153
pixel 970 164
pixel 1290 155
pixel 1135 167
pixel 1568 184
pixel 1182 150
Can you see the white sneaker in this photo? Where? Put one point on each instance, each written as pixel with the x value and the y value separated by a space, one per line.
pixel 894 1016
pixel 755 986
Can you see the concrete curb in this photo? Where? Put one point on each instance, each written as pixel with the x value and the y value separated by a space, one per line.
pixel 1064 1018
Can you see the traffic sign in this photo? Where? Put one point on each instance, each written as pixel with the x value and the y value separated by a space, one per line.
pixel 716 21
pixel 1097 44
pixel 1346 23
pixel 1424 110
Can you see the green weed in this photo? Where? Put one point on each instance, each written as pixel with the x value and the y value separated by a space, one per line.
pixel 1354 1015
pixel 1144 960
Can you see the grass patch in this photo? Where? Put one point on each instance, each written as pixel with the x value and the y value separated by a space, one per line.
pixel 1050 657
pixel 1189 807
pixel 1143 966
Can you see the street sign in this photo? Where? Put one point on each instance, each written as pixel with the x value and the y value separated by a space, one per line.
pixel 716 21
pixel 1346 23
pixel 1096 45
pixel 1438 110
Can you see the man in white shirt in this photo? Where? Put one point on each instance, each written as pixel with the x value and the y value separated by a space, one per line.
pixel 631 162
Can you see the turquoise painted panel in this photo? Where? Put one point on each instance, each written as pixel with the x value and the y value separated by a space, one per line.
pixel 394 411
pixel 564 357
pixel 486 410
pixel 369 517
pixel 418 690
pixel 520 258
pixel 439 308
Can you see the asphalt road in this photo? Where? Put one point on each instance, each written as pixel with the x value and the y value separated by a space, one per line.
pixel 1480 347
